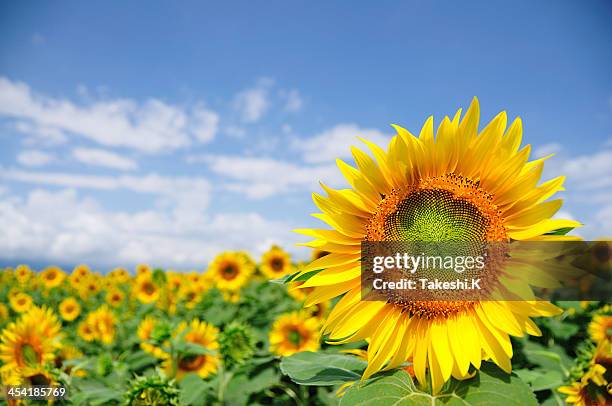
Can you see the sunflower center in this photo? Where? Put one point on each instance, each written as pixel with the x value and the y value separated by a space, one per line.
pixel 294 337
pixel 277 264
pixel 39 380
pixel 148 288
pixel 229 272
pixel 192 362
pixel 29 355
pixel 437 209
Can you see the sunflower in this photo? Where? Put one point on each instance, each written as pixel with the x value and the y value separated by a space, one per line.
pixel 30 341
pixel 174 281
pixel 145 290
pixel 52 277
pixel 69 309
pixel 120 275
pixel 230 271
pixel 20 302
pixel 144 331
pixel 86 331
pixel 99 325
pixel 459 185
pixel 583 394
pixel 90 285
pixel 114 297
pixel 600 328
pixel 23 274
pixel 191 295
pixel 143 270
pixel 81 271
pixel 294 332
pixel 276 263
pixel 203 334
pixel 590 390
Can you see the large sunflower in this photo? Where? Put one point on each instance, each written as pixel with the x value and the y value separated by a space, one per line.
pixel 455 184
pixel 30 341
pixel 230 271
pixel 203 334
pixel 276 262
pixel 294 332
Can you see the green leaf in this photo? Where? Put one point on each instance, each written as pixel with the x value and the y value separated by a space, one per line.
pixel 549 358
pixel 561 231
pixel 322 369
pixel 194 390
pixel 139 360
pixel 541 379
pixel 491 386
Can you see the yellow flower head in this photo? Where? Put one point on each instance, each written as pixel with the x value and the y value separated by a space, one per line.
pixel 20 302
pixel 143 270
pixel 458 183
pixel 600 328
pixel 30 341
pixel 52 277
pixel 81 271
pixel 145 289
pixel 120 275
pixel 191 295
pixel 174 281
pixel 230 271
pixel 114 297
pixel 276 263
pixel 205 335
pixel 294 332
pixel 90 286
pixel 145 328
pixel 69 309
pixel 99 325
pixel 23 273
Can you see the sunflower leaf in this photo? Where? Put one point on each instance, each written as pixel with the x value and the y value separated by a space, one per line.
pixel 322 369
pixel 540 379
pixel 491 386
pixel 561 231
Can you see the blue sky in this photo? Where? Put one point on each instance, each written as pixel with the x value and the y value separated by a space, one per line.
pixel 166 132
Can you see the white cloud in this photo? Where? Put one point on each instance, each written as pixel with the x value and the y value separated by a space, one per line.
pixel 235 132
pixel 101 157
pixel 590 171
pixel 547 149
pixel 258 178
pixel 64 227
pixel 191 193
pixel 336 142
pixel 34 157
pixel 40 134
pixel 294 102
pixel 151 126
pixel 253 103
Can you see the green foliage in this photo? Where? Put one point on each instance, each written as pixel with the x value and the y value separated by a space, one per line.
pixel 237 344
pixel 322 369
pixel 490 386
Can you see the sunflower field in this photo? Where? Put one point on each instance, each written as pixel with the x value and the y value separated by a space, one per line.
pixel 276 331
